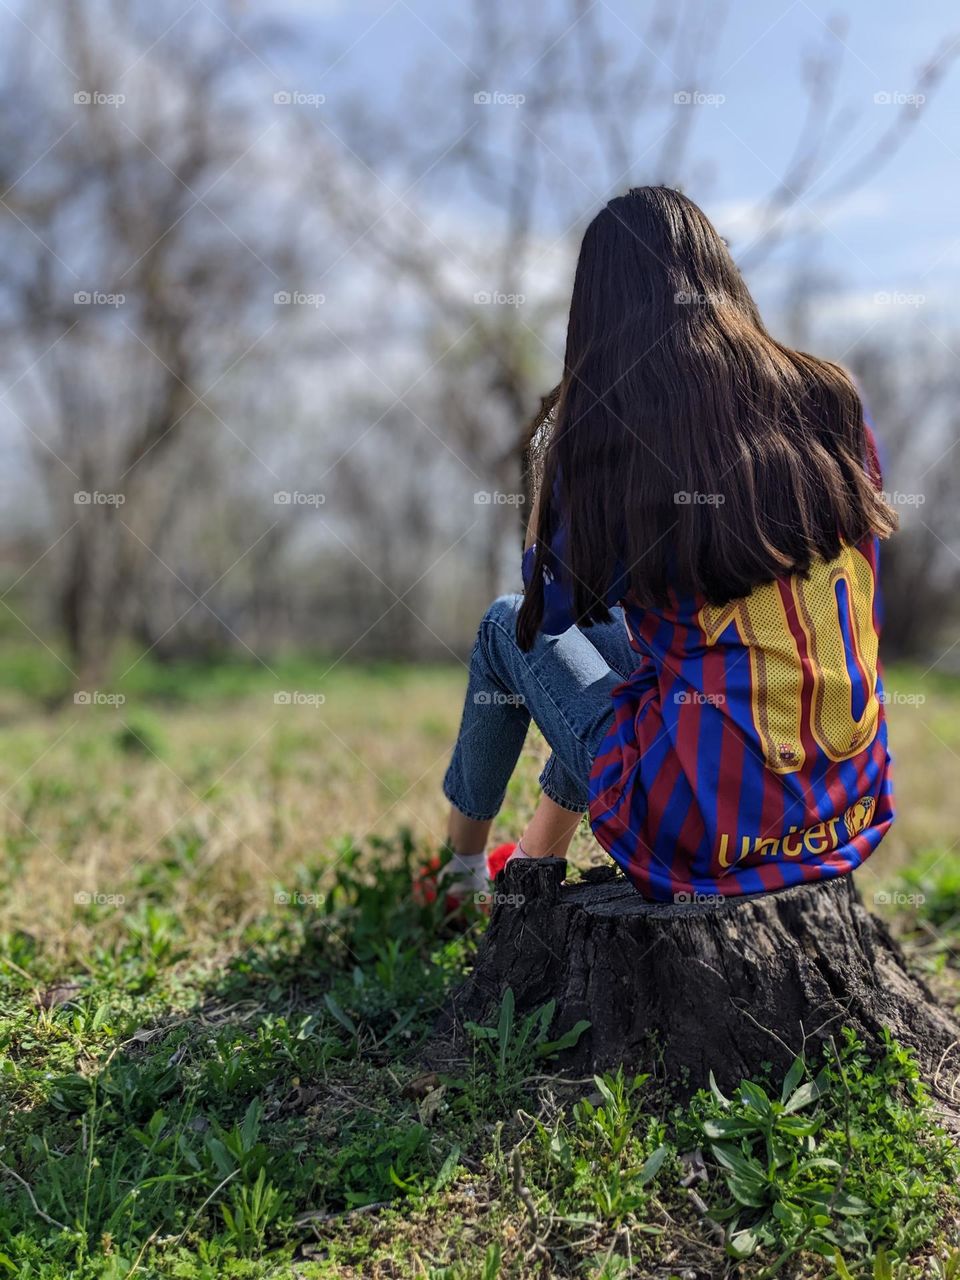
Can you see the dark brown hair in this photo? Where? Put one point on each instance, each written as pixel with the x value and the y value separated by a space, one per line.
pixel 686 442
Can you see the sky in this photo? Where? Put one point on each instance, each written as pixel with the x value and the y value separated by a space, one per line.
pixel 898 233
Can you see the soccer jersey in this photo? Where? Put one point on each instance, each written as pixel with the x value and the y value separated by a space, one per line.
pixel 748 749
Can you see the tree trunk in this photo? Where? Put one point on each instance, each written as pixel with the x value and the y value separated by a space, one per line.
pixel 682 990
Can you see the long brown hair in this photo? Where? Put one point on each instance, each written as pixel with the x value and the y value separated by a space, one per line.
pixel 685 442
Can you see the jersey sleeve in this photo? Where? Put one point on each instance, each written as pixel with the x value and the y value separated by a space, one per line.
pixel 558 612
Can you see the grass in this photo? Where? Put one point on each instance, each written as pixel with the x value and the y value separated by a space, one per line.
pixel 214 986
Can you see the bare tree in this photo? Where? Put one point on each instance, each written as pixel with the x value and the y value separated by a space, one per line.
pixel 138 272
pixel 149 167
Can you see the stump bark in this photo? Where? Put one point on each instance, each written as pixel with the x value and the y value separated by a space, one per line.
pixel 681 990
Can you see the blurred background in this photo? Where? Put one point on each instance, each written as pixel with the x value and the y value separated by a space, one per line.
pixel 282 284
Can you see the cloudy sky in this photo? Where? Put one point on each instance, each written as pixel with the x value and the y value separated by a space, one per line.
pixel 897 233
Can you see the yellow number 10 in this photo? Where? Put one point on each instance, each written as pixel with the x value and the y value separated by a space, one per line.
pixel 776 667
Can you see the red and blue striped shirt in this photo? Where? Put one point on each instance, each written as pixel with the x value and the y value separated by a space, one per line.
pixel 748 749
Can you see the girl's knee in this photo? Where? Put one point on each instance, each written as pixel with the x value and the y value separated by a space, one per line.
pixel 497 631
pixel 503 612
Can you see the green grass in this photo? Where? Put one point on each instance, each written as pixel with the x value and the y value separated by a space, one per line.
pixel 172 1119
pixel 216 987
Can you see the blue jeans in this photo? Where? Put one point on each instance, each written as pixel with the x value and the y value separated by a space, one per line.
pixel 563 684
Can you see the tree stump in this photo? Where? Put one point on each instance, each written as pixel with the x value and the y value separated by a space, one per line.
pixel 682 990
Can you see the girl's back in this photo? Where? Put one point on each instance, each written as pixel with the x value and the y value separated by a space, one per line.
pixel 748 751
pixel 725 490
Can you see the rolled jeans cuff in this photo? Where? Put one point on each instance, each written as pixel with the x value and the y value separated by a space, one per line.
pixel 557 785
pixel 451 793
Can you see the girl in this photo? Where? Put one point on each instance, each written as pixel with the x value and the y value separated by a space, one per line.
pixel 698 637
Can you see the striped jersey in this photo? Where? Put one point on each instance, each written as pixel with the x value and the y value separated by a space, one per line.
pixel 748 749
